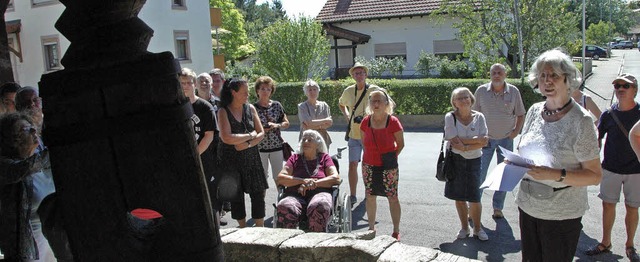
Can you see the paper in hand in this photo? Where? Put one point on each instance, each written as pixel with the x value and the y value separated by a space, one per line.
pixel 505 177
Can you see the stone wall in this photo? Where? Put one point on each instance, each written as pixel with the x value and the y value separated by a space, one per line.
pixel 267 244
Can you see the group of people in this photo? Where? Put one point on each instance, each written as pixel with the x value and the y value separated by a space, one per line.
pixel 27 191
pixel 374 136
pixel 562 135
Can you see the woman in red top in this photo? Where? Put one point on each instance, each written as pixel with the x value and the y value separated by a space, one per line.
pixel 382 137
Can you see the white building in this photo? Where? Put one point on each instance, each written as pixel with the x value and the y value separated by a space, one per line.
pixel 390 28
pixel 182 27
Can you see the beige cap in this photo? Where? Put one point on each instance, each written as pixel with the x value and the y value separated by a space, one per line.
pixel 358 65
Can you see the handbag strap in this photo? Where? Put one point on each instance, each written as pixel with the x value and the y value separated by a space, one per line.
pixel 455 123
pixel 615 118
pixel 355 90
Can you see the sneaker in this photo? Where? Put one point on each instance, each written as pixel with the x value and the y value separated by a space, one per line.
pixel 353 199
pixel 396 235
pixel 463 233
pixel 481 235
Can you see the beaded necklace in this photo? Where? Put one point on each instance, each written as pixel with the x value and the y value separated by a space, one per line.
pixel 553 112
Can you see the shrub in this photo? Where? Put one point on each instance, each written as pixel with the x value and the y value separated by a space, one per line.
pixel 454 69
pixel 426 63
pixel 379 65
pixel 413 96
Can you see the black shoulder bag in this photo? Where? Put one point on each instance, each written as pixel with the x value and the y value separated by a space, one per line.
pixel 444 170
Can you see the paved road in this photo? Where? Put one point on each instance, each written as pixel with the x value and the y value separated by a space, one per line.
pixel 430 220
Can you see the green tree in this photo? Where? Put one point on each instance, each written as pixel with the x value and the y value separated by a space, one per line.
pixel 487 29
pixel 235 42
pixel 598 33
pixel 619 12
pixel 293 50
pixel 258 17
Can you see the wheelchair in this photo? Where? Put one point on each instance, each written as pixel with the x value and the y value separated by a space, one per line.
pixel 340 219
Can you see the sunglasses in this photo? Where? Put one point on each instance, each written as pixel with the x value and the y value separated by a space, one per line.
pixel 625 86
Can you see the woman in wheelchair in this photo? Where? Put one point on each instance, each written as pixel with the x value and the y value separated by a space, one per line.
pixel 308 177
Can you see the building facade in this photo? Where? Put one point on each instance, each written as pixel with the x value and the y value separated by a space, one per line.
pixel 398 28
pixel 182 27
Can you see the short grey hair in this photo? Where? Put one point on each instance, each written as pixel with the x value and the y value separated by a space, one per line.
pixel 501 66
pixel 309 83
pixel 322 146
pixel 217 71
pixel 205 75
pixel 561 64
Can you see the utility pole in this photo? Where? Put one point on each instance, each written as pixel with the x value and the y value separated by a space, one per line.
pixel 516 12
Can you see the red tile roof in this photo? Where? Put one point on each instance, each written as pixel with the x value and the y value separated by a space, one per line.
pixel 355 10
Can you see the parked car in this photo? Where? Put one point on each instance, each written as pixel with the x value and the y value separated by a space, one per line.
pixel 594 52
pixel 626 44
pixel 615 45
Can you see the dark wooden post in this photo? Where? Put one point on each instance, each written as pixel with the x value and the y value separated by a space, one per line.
pixel 6 72
pixel 119 132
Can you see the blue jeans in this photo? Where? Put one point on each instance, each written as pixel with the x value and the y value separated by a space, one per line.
pixel 487 155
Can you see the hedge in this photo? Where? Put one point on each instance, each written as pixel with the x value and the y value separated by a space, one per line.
pixel 413 96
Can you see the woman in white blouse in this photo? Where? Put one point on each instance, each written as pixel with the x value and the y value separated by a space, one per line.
pixel 559 136
pixel 466 131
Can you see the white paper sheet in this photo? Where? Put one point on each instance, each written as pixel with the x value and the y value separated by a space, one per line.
pixel 505 177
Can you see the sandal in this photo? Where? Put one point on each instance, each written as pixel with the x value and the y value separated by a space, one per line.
pixel 599 249
pixel 632 254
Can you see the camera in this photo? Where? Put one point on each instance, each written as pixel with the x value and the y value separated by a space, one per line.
pixel 358 119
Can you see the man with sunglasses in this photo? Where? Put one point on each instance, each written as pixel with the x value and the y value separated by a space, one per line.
pixel 621 169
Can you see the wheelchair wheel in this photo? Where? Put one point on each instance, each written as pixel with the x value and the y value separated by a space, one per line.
pixel 345 215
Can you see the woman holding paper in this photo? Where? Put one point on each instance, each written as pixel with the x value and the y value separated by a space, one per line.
pixel 466 131
pixel 559 136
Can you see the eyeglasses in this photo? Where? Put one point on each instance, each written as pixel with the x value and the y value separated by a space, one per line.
pixel 463 98
pixel 28 129
pixel 266 89
pixel 625 86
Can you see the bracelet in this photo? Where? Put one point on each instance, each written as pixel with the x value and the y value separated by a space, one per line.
pixel 563 175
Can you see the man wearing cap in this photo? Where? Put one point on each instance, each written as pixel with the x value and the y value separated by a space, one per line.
pixel 503 110
pixel 354 100
pixel 621 169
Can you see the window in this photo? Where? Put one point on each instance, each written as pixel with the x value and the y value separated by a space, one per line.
pixel 51 53
pixel 10 6
pixel 391 50
pixel 179 4
pixel 183 54
pixel 37 3
pixel 449 48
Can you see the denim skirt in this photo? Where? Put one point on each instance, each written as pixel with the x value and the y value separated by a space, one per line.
pixel 466 184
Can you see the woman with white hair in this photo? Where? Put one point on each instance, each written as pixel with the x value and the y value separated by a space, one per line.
pixel 383 140
pixel 308 177
pixel 559 136
pixel 314 114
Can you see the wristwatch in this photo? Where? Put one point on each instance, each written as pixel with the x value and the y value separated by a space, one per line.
pixel 563 175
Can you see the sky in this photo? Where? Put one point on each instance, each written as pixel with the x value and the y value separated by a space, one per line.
pixel 295 7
